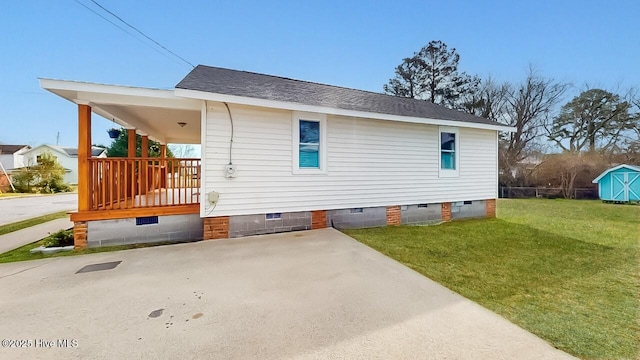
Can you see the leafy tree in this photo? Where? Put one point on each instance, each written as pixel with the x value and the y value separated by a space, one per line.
pixel 47 176
pixel 629 144
pixel 24 180
pixel 119 146
pixel 432 74
pixel 596 119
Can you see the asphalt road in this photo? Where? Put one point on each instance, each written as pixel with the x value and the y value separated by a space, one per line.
pixel 17 209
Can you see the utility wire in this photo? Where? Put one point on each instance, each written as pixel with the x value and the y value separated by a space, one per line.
pixel 109 21
pixel 121 28
pixel 141 33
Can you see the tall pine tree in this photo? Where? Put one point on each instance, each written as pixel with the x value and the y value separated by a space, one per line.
pixel 432 74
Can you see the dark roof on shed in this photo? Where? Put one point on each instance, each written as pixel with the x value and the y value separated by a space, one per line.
pixel 11 149
pixel 269 87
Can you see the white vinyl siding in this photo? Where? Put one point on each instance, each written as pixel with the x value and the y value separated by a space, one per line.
pixel 368 163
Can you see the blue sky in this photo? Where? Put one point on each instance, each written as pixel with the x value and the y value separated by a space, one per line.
pixel 355 44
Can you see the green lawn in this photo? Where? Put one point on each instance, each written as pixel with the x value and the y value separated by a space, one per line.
pixel 9 194
pixel 19 225
pixel 23 254
pixel 565 270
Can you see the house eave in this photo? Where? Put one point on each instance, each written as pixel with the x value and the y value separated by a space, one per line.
pixel 132 107
pixel 203 95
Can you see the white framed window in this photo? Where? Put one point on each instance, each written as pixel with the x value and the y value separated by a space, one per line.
pixel 309 143
pixel 449 152
pixel 273 216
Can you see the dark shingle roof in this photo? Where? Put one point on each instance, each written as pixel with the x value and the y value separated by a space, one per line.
pixel 95 151
pixel 268 87
pixel 11 149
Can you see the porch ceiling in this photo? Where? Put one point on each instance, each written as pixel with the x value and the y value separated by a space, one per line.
pixel 151 112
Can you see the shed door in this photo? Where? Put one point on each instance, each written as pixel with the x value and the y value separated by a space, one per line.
pixel 624 187
pixel 619 188
pixel 633 186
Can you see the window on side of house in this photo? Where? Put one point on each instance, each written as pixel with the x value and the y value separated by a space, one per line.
pixel 449 158
pixel 273 216
pixel 309 143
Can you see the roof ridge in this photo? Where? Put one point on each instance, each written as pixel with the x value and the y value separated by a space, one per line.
pixel 322 84
pixel 252 84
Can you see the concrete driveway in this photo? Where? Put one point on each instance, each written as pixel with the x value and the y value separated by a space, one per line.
pixel 304 295
pixel 14 209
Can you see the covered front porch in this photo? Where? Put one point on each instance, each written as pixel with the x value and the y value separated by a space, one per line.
pixel 139 185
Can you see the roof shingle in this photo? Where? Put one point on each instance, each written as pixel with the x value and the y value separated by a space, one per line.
pixel 268 87
pixel 11 149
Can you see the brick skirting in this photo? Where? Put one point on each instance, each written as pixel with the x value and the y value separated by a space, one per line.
pixel 216 228
pixel 318 219
pixel 394 216
pixel 80 234
pixel 491 208
pixel 446 211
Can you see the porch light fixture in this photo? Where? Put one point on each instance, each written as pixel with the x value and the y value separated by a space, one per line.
pixel 182 123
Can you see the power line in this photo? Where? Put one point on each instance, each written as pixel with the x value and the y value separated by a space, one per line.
pixel 121 28
pixel 141 33
pixel 109 21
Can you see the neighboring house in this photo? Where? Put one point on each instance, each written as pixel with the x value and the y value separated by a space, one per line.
pixel 526 166
pixel 67 157
pixel 619 184
pixel 277 155
pixel 11 157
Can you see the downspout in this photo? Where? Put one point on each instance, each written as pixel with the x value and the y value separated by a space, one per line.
pixel 203 158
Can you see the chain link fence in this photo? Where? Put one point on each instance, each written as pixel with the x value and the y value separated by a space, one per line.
pixel 512 192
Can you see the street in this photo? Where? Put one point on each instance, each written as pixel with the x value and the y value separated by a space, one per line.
pixel 17 209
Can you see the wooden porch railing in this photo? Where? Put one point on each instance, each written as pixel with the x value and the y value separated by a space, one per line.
pixel 129 183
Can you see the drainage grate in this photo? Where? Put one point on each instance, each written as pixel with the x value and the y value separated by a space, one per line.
pixel 99 267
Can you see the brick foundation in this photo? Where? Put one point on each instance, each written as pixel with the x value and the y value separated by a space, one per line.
pixel 216 228
pixel 446 211
pixel 318 219
pixel 80 234
pixel 394 215
pixel 491 208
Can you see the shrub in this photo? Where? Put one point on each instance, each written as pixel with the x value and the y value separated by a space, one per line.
pixel 46 177
pixel 24 180
pixel 59 238
pixel 53 185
